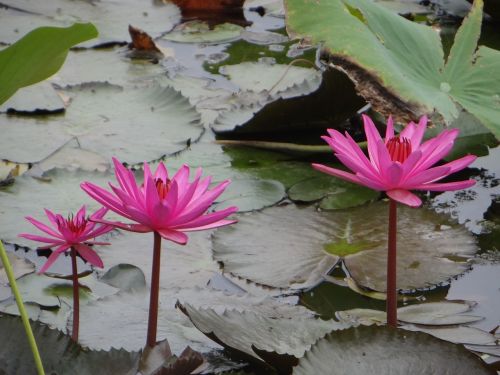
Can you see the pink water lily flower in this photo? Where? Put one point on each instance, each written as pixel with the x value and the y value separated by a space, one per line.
pixel 75 232
pixel 163 205
pixel 398 163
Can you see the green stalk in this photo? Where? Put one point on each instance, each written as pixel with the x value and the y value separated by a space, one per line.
pixel 22 310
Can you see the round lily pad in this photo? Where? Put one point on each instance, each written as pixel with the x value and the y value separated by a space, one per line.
pixel 134 125
pixel 381 350
pixel 200 32
pixel 294 248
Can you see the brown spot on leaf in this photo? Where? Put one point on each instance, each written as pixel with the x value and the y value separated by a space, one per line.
pixel 213 12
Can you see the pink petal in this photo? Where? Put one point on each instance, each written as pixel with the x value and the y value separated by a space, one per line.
pixel 372 184
pixel 394 174
pixel 126 179
pixel 389 131
pixel 89 255
pixel 129 227
pixel 405 197
pixel 52 217
pixel 337 173
pixel 52 258
pixel 369 169
pixel 207 219
pixel 384 159
pixel 459 164
pixel 427 176
pixel 408 131
pixel 372 138
pixel 43 227
pixel 200 205
pixel 201 188
pixel 446 186
pixel 102 229
pixel 410 163
pixel 150 193
pixel 161 172
pixel 173 235
pixel 418 135
pixel 99 214
pixel 139 215
pixel 34 237
pixel 217 224
pixel 104 197
pixel 186 195
pixel 80 215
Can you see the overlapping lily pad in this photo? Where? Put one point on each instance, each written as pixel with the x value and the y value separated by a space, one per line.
pixel 59 354
pixel 111 18
pixel 377 350
pixel 200 32
pixel 399 65
pixel 277 338
pixel 152 122
pixel 296 247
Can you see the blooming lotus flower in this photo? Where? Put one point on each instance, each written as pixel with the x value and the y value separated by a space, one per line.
pixel 166 206
pixel 398 163
pixel 163 205
pixel 74 232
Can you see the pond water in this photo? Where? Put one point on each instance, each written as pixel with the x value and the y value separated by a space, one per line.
pixel 274 268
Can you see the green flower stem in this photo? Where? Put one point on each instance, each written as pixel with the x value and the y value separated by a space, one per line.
pixel 22 310
pixel 392 294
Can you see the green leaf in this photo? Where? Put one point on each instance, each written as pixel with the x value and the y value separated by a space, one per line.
pixel 38 55
pixel 399 65
pixel 381 350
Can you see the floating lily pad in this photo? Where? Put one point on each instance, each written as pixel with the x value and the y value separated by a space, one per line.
pixel 58 191
pixel 458 335
pixel 200 32
pixel 431 248
pixel 152 122
pixel 103 65
pixel 378 350
pixel 110 18
pixel 37 98
pixel 278 339
pixel 429 314
pixel 59 354
pixel 20 266
pixel 399 65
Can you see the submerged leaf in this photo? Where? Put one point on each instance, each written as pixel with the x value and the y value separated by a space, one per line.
pixel 381 350
pixel 300 246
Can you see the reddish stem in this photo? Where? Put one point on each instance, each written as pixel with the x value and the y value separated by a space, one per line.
pixel 392 295
pixel 76 297
pixel 155 289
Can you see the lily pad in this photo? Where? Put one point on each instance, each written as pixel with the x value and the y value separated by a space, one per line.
pixel 40 98
pixel 432 249
pixel 111 18
pixel 457 335
pixel 399 65
pixel 262 336
pixel 378 350
pixel 200 32
pixel 19 265
pixel 60 355
pixel 105 66
pixel 151 123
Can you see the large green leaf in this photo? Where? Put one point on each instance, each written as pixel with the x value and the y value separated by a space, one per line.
pixel 294 248
pixel 399 65
pixel 377 350
pixel 38 55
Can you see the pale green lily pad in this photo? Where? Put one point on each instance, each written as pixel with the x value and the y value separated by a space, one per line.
pixel 152 122
pixel 405 7
pixel 431 248
pixel 429 314
pixel 286 334
pixel 59 354
pixel 111 18
pixel 200 32
pixel 36 98
pixel 399 65
pixel 20 266
pixel 58 191
pixel 379 350
pixel 104 65
pixel 458 335
pixel 332 193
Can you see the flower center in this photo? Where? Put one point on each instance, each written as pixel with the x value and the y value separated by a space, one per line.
pixel 74 225
pixel 162 187
pixel 399 148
